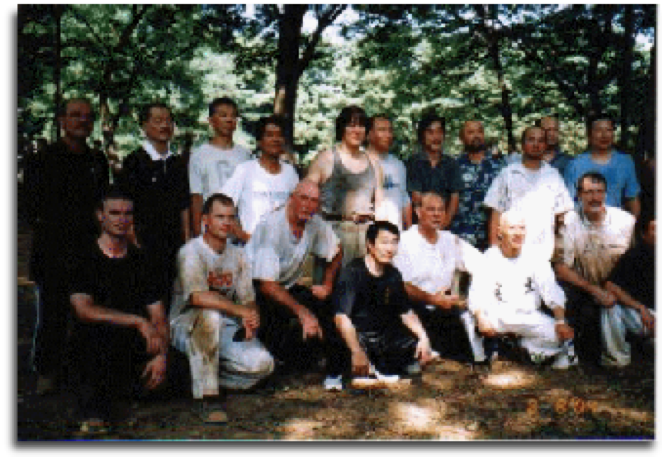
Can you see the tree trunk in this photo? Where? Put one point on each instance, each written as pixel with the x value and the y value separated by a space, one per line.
pixel 57 67
pixel 646 135
pixel 287 67
pixel 625 77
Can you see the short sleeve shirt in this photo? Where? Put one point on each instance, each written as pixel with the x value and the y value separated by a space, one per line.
pixel 635 273
pixel 430 267
pixel 444 178
pixel 540 195
pixel 201 269
pixel 592 250
pixel 122 284
pixel 210 167
pixel 277 255
pixel 395 188
pixel 256 192
pixel 374 304
pixel 619 172
pixel 470 222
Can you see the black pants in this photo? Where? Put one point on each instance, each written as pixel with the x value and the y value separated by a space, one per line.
pixel 390 350
pixel 583 315
pixel 282 334
pixel 109 361
pixel 446 332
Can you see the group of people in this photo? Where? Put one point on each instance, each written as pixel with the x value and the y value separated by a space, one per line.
pixel 365 265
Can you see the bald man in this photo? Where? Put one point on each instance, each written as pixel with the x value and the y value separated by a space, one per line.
pixel 295 318
pixel 553 153
pixel 506 296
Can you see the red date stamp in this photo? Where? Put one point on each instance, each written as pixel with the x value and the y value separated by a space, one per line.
pixel 562 406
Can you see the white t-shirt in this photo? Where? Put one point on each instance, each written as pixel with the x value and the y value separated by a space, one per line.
pixel 430 267
pixel 396 197
pixel 503 286
pixel 593 250
pixel 277 255
pixel 201 269
pixel 540 195
pixel 210 167
pixel 256 192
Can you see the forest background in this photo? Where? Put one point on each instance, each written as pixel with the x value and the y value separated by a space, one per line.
pixel 506 65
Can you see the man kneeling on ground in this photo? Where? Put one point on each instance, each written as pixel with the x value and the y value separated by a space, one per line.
pixel 506 293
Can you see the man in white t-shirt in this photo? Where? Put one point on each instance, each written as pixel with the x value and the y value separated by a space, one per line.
pixel 534 188
pixel 262 185
pixel 214 318
pixel 293 314
pixel 506 295
pixel 396 201
pixel 594 238
pixel 213 163
pixel 427 259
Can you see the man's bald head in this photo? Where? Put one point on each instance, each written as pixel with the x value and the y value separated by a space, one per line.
pixel 472 135
pixel 304 201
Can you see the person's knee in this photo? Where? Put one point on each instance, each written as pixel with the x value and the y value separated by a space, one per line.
pixel 260 363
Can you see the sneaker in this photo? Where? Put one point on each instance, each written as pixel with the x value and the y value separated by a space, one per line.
pixel 564 361
pixel 333 383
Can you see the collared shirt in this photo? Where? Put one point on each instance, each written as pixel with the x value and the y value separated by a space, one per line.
pixel 443 178
pixel 592 250
pixel 153 153
pixel 470 222
pixel 561 161
pixel 539 195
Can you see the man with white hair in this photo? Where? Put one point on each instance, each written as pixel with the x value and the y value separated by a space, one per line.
pixel 506 295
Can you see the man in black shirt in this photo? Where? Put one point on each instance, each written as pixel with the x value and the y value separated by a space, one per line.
pixel 371 307
pixel 121 332
pixel 63 183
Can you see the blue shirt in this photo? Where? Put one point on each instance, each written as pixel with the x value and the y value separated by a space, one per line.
pixel 619 172
pixel 470 222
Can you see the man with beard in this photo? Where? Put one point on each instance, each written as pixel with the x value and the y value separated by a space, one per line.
pixel 534 188
pixel 594 238
pixel 477 171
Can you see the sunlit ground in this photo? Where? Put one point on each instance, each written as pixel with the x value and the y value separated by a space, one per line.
pixel 511 379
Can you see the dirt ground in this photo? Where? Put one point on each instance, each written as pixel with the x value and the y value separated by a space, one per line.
pixel 450 402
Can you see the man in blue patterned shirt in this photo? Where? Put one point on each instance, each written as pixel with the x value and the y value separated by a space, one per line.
pixel 477 171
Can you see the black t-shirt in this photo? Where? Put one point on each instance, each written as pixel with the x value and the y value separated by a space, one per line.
pixel 635 273
pixel 372 303
pixel 122 284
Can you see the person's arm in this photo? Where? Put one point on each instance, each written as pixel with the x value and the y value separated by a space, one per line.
pixel 360 361
pixel 323 291
pixel 567 274
pixel 88 311
pixel 155 370
pixel 185 216
pixel 633 206
pixel 493 227
pixel 407 216
pixel 320 169
pixel 625 299
pixel 442 299
pixel 276 293
pixel 451 209
pixel 561 327
pixel 413 323
pixel 381 213
pixel 196 212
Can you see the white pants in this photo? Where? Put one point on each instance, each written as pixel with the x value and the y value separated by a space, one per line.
pixel 616 322
pixel 536 329
pixel 205 336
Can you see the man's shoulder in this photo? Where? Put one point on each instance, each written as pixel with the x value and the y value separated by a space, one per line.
pixel 620 217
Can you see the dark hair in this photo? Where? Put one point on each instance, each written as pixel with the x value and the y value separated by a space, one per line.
pixel 269 120
pixel 215 103
pixel 374 229
pixel 62 109
pixel 598 117
pixel 114 192
pixel 526 130
pixel 146 111
pixel 538 122
pixel 372 119
pixel 593 176
pixel 221 198
pixel 348 115
pixel 426 122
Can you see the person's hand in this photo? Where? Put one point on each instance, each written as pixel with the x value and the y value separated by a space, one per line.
pixel 648 320
pixel 155 372
pixel 604 298
pixel 423 351
pixel 321 292
pixel 153 342
pixel 485 329
pixel 250 320
pixel 237 232
pixel 360 364
pixel 310 325
pixel 445 300
pixel 564 331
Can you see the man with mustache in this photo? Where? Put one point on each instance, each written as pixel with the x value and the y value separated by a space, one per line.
pixel 594 238
pixel 477 171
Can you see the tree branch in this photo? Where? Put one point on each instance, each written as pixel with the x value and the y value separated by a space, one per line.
pixel 323 22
